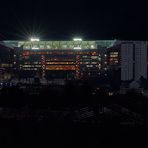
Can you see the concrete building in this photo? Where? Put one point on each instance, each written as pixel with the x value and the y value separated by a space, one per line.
pixel 77 59
pixel 140 60
pixel 127 63
pixel 133 60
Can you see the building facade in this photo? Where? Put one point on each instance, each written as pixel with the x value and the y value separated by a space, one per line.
pixel 133 60
pixel 78 59
pixel 6 61
pixel 61 59
pixel 127 63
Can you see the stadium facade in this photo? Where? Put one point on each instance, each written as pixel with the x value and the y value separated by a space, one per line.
pixel 75 59
pixel 61 59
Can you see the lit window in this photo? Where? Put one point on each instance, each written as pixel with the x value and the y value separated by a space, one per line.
pixel 89 65
pixel 99 59
pixel 94 63
pixel 85 56
pixel 94 57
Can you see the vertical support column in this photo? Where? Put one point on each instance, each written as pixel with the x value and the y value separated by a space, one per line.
pixel 78 67
pixel 43 64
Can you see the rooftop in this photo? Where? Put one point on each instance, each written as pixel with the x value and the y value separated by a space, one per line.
pixel 76 44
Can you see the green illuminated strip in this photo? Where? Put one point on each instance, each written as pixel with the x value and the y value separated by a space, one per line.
pixel 28 45
pixel 59 45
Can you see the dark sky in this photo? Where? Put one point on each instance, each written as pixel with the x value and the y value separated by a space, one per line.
pixel 62 20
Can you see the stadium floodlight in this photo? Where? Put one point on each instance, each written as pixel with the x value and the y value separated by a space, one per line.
pixel 34 39
pixel 77 39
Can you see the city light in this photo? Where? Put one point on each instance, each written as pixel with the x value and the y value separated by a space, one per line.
pixel 77 39
pixel 34 39
pixel 92 46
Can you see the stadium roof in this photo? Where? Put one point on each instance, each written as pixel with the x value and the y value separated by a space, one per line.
pixel 61 44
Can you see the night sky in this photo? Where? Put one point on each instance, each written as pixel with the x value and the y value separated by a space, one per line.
pixel 63 20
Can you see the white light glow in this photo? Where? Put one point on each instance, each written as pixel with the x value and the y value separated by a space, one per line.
pixel 77 39
pixel 35 39
pixel 77 48
pixel 35 48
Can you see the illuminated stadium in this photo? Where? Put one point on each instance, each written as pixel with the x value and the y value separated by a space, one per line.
pixel 75 59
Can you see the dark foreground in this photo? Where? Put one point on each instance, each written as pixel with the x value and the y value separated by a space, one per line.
pixel 72 119
pixel 43 134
